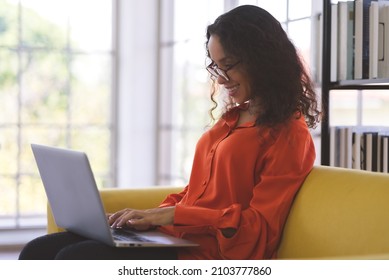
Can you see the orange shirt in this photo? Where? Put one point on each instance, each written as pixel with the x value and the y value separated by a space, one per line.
pixel 243 178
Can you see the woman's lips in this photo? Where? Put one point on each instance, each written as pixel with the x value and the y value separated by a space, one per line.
pixel 232 90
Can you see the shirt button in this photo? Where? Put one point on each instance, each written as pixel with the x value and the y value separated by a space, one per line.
pixel 204 183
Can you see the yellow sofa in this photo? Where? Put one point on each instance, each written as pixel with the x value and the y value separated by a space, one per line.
pixel 337 214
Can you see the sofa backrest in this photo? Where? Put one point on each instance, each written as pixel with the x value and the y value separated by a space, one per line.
pixel 338 213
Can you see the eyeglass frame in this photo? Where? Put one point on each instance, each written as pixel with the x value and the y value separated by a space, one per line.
pixel 217 72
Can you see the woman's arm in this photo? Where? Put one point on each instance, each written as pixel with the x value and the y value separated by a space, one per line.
pixel 174 198
pixel 145 219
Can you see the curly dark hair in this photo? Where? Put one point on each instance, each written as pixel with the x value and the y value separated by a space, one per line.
pixel 280 84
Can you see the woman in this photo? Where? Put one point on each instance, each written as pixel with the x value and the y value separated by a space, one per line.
pixel 247 168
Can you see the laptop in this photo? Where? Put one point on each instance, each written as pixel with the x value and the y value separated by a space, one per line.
pixel 76 204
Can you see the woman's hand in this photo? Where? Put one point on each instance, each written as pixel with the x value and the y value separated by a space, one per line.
pixel 142 219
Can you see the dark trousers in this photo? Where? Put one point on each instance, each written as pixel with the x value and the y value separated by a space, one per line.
pixel 69 246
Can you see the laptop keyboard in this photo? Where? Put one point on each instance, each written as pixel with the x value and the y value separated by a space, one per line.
pixel 121 235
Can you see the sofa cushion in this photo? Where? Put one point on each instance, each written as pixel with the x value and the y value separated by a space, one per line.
pixel 338 213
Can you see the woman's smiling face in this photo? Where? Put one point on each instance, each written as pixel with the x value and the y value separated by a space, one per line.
pixel 238 86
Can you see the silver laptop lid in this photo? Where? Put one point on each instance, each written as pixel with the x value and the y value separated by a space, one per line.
pixel 77 208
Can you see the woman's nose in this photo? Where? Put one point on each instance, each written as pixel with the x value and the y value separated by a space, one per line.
pixel 220 80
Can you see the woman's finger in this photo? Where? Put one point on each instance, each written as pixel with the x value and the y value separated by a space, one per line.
pixel 125 216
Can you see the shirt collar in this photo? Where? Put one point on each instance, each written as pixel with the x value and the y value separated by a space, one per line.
pixel 231 117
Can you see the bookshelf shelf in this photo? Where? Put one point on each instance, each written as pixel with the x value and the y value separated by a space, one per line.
pixel 327 85
pixel 361 84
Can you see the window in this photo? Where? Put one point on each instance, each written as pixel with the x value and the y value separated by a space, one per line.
pixel 184 102
pixel 55 89
pixel 359 107
pixel 58 87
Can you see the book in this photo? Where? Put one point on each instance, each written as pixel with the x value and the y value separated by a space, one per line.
pixel 357 150
pixel 334 43
pixel 346 146
pixel 334 146
pixel 370 151
pixel 358 39
pixel 319 47
pixel 366 38
pixel 383 40
pixel 341 145
pixel 373 44
pixel 345 40
pixel 384 153
pixel 350 41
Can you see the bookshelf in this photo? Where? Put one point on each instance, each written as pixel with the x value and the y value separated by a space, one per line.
pixel 328 84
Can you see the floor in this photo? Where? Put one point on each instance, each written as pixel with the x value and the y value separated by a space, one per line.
pixel 9 254
pixel 12 241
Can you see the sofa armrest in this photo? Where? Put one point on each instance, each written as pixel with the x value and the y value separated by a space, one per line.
pixel 117 199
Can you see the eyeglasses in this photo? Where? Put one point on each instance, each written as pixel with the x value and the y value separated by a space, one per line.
pixel 215 71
